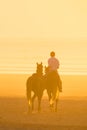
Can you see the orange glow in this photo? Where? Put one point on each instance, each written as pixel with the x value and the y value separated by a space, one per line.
pixel 29 30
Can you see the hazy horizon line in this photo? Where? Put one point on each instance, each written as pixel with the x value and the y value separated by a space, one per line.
pixel 61 73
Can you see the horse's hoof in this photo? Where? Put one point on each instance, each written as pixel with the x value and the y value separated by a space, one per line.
pixel 29 111
pixel 51 105
pixel 55 110
pixel 39 111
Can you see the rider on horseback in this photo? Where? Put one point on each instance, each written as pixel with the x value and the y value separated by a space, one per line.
pixel 53 64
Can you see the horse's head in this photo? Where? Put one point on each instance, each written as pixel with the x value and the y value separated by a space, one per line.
pixel 39 69
pixel 46 69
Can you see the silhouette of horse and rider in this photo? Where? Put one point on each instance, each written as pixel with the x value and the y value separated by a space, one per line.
pixel 50 81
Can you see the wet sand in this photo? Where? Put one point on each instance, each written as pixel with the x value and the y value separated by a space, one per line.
pixel 71 115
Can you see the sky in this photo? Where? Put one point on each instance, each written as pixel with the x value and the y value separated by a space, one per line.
pixel 30 29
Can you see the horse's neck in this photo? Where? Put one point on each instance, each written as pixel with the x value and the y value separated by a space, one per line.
pixel 47 72
pixel 39 74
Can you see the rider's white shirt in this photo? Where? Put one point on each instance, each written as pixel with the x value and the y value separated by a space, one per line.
pixel 53 63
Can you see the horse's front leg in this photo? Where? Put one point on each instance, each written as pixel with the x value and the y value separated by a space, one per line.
pixel 49 96
pixel 56 105
pixel 29 101
pixel 29 105
pixel 39 104
pixel 33 98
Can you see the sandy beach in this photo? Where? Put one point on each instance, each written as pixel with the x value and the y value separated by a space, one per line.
pixel 71 115
pixel 32 32
pixel 72 106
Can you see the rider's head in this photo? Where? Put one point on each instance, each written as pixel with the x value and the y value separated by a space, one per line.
pixel 52 53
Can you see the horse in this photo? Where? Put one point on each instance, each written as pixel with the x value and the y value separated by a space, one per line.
pixel 52 87
pixel 35 84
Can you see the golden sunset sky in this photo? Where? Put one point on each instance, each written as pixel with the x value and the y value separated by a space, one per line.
pixel 30 29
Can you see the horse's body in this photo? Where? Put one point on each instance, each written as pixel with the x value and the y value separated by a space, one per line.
pixel 52 87
pixel 35 84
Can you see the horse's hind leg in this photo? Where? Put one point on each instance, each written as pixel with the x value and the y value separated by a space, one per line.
pixel 54 100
